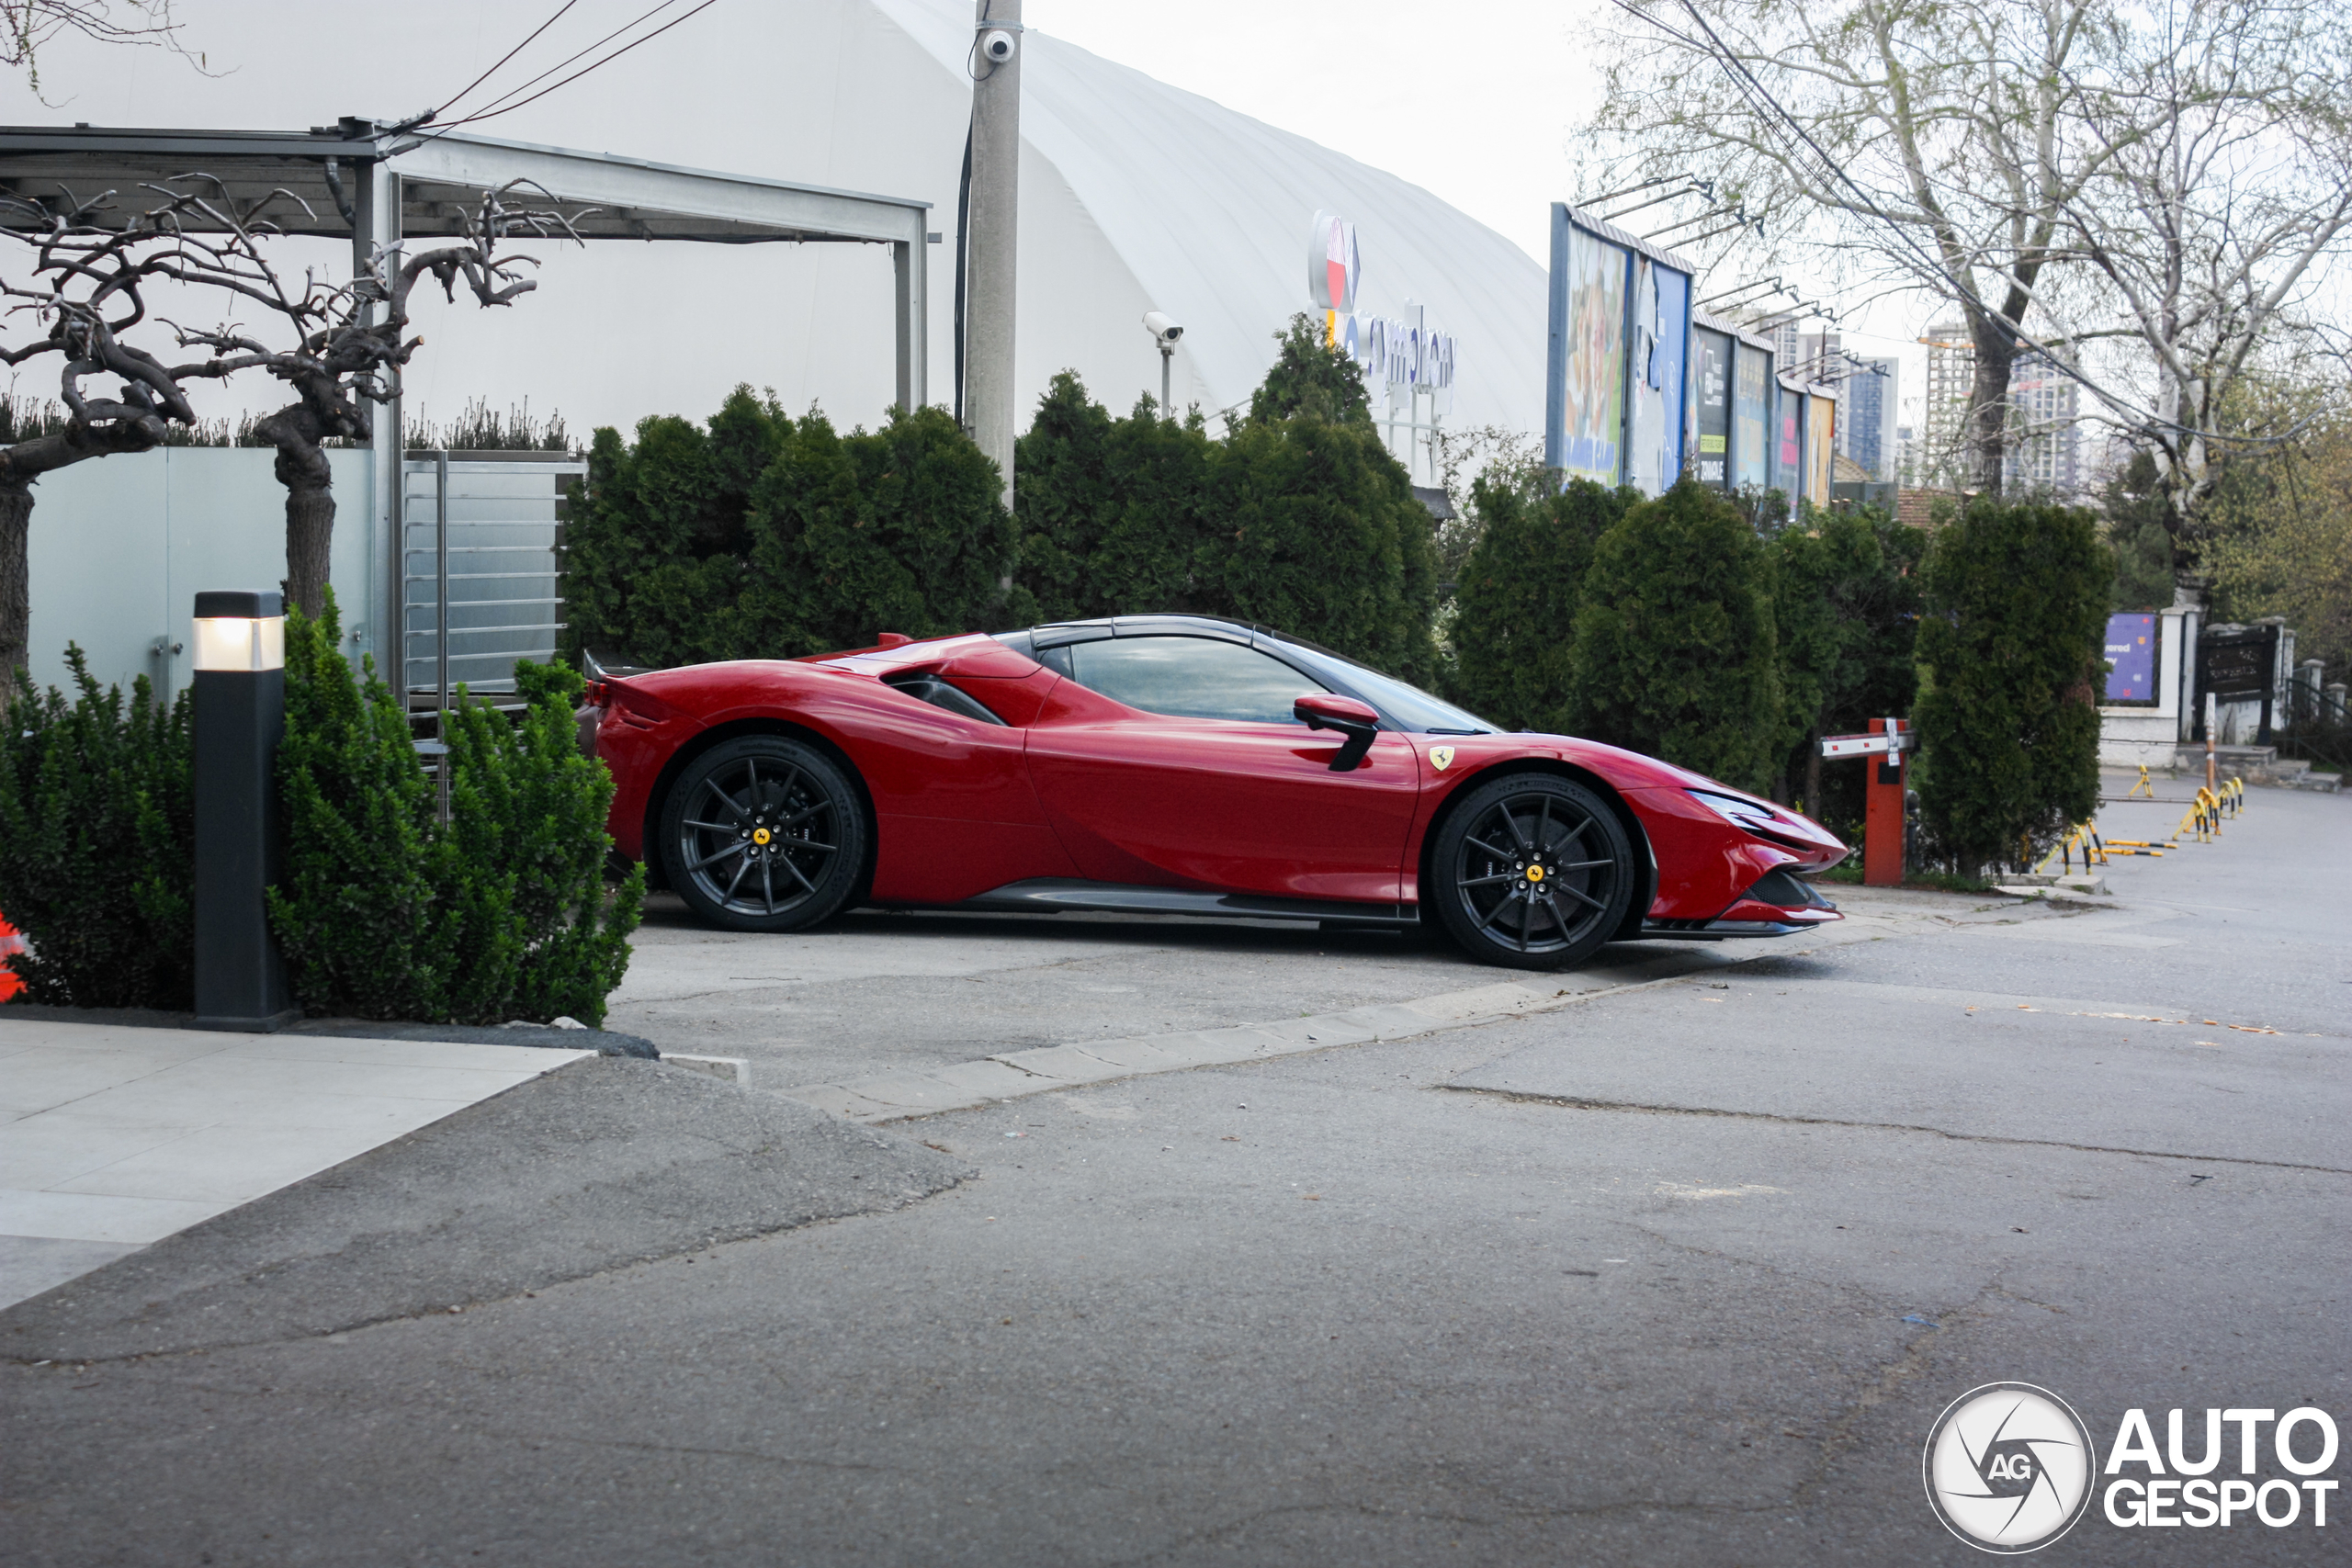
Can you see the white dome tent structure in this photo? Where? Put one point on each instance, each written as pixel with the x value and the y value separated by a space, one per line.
pixel 1137 197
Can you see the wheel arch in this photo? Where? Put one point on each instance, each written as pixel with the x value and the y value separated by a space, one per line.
pixel 658 798
pixel 1644 892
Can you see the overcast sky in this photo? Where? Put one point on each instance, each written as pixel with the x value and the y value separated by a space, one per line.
pixel 1476 100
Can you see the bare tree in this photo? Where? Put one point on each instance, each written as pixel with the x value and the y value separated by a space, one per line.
pixel 89 287
pixel 346 342
pixel 84 291
pixel 1926 143
pixel 28 25
pixel 2226 190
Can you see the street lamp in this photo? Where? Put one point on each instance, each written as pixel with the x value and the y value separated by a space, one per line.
pixel 1164 332
pixel 240 715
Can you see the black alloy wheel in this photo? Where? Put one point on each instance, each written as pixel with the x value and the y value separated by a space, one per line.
pixel 1532 871
pixel 764 833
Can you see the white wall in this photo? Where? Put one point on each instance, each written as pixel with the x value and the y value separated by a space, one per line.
pixel 120 547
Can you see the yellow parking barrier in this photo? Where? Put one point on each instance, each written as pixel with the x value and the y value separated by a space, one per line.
pixel 2143 787
pixel 2203 819
pixel 2082 836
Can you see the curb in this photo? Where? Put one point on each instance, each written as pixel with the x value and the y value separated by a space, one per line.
pixel 888 1097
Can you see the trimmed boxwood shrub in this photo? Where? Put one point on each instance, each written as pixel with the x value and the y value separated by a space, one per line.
pixel 383 911
pixel 2010 661
pixel 97 816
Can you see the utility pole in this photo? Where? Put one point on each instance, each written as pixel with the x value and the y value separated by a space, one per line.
pixel 992 231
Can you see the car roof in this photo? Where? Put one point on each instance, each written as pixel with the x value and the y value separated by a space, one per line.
pixel 1058 634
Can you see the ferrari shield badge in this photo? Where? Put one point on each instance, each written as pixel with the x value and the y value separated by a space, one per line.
pixel 1440 757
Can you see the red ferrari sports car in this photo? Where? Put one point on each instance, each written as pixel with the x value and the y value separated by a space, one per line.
pixel 1172 765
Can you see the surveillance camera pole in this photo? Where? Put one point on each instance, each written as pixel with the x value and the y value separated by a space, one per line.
pixel 1166 354
pixel 991 232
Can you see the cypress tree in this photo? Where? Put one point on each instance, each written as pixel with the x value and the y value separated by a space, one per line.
pixel 1847 610
pixel 1676 652
pixel 898 529
pixel 1312 378
pixel 656 550
pixel 1514 626
pixel 2010 660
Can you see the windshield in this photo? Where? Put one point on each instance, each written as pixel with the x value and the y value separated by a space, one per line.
pixel 1411 707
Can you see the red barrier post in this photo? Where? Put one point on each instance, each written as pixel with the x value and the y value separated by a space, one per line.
pixel 1883 814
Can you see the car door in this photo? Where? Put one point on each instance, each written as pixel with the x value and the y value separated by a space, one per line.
pixel 1173 761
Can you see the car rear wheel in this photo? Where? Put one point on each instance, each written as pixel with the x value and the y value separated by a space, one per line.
pixel 1532 871
pixel 764 833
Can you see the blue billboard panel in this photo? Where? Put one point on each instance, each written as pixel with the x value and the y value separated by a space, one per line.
pixel 1751 401
pixel 1659 341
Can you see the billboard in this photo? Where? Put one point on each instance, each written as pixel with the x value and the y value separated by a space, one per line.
pixel 1586 397
pixel 1710 404
pixel 1659 340
pixel 1751 401
pixel 1820 447
pixel 2132 649
pixel 1788 447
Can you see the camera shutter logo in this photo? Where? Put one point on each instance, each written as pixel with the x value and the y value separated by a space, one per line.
pixel 2009 1466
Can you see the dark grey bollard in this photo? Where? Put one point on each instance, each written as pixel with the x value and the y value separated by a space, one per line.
pixel 240 717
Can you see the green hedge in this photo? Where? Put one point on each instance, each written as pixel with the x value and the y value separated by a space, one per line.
pixel 762 536
pixel 1847 596
pixel 1677 650
pixel 1520 591
pixel 2011 660
pixel 96 816
pixel 382 911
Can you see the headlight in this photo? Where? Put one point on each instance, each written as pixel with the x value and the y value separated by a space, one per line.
pixel 1748 816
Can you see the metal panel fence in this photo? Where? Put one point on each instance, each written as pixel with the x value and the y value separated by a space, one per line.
pixel 481 534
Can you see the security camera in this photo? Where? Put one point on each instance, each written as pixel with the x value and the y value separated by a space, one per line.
pixel 1163 326
pixel 996 45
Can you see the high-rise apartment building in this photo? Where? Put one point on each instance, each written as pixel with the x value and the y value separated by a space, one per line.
pixel 2045 439
pixel 1868 398
pixel 1943 415
pixel 2044 449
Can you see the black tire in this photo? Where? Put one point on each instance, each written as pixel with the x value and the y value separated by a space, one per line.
pixel 1480 882
pixel 763 834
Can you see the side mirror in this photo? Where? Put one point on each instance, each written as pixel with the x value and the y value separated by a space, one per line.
pixel 1360 722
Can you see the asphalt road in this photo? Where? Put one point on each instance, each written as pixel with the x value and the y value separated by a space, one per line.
pixel 1681 1271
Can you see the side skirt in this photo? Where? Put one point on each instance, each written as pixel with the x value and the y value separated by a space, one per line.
pixel 1050 895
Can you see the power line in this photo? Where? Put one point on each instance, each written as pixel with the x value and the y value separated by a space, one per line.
pixel 510 55
pixel 500 106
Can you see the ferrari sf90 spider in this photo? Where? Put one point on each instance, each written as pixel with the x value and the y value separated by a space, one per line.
pixel 1173 764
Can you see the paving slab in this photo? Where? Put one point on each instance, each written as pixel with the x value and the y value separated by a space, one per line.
pixel 608 1163
pixel 123 1134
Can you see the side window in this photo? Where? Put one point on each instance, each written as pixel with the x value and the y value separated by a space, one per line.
pixel 1191 677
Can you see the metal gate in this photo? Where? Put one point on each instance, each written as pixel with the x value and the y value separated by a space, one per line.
pixel 482 537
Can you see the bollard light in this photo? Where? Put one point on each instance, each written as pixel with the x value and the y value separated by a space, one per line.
pixel 240 715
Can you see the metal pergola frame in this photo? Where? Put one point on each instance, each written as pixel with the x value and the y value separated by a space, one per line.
pixel 375 185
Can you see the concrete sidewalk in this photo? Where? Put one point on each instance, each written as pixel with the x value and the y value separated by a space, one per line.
pixel 112 1138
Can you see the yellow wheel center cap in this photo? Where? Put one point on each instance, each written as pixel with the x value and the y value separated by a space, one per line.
pixel 1535 873
pixel 760 835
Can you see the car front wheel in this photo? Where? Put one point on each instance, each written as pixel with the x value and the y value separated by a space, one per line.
pixel 1532 871
pixel 764 833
